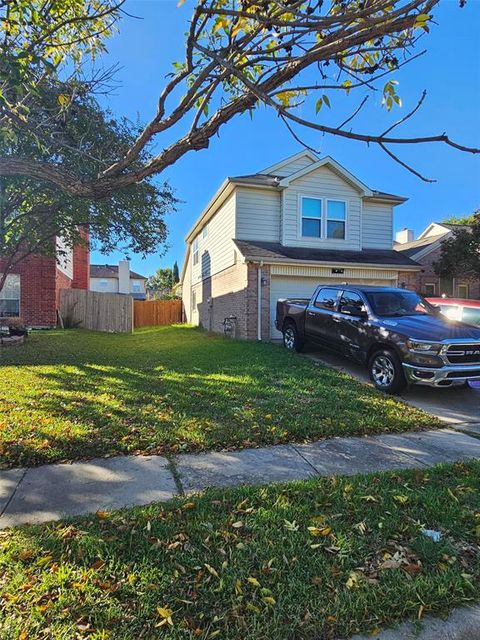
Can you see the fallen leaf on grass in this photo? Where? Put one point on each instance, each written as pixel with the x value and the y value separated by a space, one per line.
pixel 211 570
pixel 353 580
pixel 253 581
pixel 413 569
pixel 317 531
pixel 166 614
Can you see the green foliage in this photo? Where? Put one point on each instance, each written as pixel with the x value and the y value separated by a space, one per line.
pixel 318 559
pixel 74 394
pixel 39 42
pixel 460 254
pixel 176 275
pixel 84 139
pixel 462 219
pixel 161 284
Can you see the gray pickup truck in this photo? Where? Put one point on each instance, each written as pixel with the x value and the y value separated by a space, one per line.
pixel 397 334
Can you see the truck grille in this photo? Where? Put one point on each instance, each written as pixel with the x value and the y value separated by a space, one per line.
pixel 463 353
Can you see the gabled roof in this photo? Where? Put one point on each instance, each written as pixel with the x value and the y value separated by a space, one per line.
pixel 276 252
pixel 336 167
pixel 305 153
pixel 110 271
pixel 447 226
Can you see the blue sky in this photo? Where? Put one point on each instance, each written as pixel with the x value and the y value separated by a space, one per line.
pixel 450 71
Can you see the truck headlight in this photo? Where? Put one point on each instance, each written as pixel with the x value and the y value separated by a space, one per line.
pixel 423 347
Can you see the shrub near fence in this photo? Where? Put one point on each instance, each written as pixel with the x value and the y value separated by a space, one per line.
pixel 150 313
pixel 112 312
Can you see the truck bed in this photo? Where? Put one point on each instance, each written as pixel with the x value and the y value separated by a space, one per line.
pixel 292 307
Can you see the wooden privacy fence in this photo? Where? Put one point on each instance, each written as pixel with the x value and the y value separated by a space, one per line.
pixel 149 313
pixel 98 311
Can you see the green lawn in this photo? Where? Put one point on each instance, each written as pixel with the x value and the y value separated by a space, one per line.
pixel 71 394
pixel 311 560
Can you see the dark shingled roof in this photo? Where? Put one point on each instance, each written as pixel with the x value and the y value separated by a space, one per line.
pixel 110 271
pixel 411 248
pixel 275 251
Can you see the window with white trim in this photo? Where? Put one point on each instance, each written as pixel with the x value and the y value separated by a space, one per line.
pixel 205 232
pixel 195 251
pixel 136 286
pixel 10 296
pixel 430 289
pixel 336 219
pixel 103 284
pixel 311 210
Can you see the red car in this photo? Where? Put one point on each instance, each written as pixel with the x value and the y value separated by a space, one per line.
pixel 467 311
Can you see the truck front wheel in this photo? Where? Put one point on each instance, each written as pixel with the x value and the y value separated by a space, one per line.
pixel 291 339
pixel 386 372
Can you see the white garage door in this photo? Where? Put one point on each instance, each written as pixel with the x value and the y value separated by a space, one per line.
pixel 302 287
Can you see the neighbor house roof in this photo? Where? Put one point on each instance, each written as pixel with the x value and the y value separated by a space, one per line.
pixel 415 246
pixel 110 271
pixel 276 252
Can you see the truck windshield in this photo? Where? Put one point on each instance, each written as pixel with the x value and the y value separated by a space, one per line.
pixel 391 304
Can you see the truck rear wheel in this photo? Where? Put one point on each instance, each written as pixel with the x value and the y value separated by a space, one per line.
pixel 291 339
pixel 386 372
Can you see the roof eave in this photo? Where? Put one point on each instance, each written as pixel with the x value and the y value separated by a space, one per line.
pixel 270 260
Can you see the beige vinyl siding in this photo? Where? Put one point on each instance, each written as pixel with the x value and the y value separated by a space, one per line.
pixel 110 285
pixel 216 251
pixel 293 167
pixel 187 290
pixel 258 214
pixel 321 183
pixel 377 225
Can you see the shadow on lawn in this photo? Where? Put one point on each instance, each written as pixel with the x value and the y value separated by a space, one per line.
pixel 163 391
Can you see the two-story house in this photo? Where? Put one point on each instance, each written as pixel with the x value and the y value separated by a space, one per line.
pixel 279 233
pixel 112 278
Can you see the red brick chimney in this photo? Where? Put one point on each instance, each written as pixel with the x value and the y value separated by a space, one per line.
pixel 81 262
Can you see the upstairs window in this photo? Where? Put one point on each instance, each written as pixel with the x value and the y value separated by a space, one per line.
pixel 205 232
pixel 136 287
pixel 311 209
pixel 336 219
pixel 195 251
pixel 10 297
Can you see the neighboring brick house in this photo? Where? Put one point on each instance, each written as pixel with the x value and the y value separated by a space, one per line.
pixel 426 250
pixel 279 233
pixel 32 290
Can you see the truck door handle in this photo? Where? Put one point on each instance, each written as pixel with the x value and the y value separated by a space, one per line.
pixel 336 319
pixel 310 313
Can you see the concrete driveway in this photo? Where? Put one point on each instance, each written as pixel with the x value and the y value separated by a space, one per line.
pixel 455 406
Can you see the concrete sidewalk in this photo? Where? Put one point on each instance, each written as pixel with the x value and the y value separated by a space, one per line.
pixel 50 492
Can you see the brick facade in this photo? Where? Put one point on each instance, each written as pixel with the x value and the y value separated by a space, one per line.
pixel 41 281
pixel 418 280
pixel 81 263
pixel 233 292
pixel 38 290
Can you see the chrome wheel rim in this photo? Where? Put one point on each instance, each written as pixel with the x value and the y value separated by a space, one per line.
pixel 383 371
pixel 289 338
